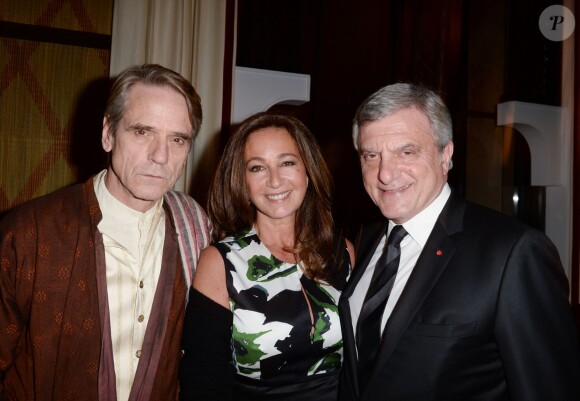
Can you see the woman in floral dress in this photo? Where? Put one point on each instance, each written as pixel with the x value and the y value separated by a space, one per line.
pixel 262 319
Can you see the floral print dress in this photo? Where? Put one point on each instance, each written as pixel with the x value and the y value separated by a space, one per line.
pixel 286 335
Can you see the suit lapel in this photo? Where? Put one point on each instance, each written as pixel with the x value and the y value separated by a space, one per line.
pixel 366 245
pixel 433 260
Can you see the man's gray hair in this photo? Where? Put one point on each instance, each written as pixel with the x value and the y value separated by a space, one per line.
pixel 393 98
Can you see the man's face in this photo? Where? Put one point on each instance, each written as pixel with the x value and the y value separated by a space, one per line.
pixel 403 171
pixel 150 147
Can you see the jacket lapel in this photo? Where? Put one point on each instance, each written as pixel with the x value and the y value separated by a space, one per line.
pixel 366 245
pixel 433 260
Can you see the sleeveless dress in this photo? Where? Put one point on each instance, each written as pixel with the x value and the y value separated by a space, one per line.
pixel 286 334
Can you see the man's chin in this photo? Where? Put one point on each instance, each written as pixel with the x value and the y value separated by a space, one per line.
pixel 390 212
pixel 151 195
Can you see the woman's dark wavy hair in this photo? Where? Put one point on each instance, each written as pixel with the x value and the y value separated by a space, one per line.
pixel 231 212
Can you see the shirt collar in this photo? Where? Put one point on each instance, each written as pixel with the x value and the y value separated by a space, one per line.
pixel 113 206
pixel 120 222
pixel 421 225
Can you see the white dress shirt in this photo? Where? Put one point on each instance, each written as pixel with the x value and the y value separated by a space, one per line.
pixel 133 252
pixel 418 228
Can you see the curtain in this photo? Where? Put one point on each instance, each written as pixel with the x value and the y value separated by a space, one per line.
pixel 187 36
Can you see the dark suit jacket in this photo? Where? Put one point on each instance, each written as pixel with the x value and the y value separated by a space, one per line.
pixel 484 316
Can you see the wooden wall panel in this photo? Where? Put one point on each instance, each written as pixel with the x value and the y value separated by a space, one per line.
pixel 78 15
pixel 51 94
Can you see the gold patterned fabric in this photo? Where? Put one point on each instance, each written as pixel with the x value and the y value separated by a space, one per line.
pixel 51 96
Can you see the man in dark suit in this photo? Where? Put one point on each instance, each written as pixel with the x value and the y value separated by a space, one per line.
pixel 475 306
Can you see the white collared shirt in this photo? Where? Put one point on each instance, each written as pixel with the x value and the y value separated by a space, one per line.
pixel 419 229
pixel 133 243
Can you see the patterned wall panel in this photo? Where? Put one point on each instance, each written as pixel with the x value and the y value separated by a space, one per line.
pixel 79 15
pixel 42 88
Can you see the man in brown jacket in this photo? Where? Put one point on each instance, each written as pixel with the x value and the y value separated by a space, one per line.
pixel 93 278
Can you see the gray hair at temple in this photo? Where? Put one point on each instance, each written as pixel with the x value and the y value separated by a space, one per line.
pixel 155 75
pixel 393 98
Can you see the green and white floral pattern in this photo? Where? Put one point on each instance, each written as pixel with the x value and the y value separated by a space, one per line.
pixel 272 336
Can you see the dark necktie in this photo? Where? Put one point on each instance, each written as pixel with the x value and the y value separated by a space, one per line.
pixel 368 336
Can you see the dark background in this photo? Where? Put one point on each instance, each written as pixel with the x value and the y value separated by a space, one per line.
pixel 352 48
